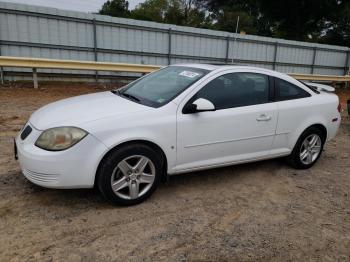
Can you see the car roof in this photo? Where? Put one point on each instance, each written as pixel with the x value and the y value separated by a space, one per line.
pixel 222 67
pixel 219 67
pixel 200 66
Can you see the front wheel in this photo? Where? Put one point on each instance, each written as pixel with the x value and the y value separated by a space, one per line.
pixel 130 174
pixel 308 149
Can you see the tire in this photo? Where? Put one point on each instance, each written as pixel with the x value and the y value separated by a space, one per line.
pixel 300 157
pixel 130 174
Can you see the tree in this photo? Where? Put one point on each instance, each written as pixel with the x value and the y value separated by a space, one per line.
pixel 226 20
pixel 179 12
pixel 225 14
pixel 290 19
pixel 297 20
pixel 117 8
pixel 187 13
pixel 174 13
pixel 337 27
pixel 151 10
pixel 325 21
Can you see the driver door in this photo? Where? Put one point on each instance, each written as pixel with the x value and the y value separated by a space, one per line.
pixel 241 128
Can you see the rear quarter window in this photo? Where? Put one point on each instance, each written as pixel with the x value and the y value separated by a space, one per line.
pixel 288 91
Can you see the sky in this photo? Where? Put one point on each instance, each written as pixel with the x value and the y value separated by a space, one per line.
pixel 73 5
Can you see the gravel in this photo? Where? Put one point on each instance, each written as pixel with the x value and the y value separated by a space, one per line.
pixel 259 211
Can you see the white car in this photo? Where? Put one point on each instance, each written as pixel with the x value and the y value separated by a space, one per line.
pixel 179 119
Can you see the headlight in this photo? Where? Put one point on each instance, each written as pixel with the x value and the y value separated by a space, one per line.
pixel 60 138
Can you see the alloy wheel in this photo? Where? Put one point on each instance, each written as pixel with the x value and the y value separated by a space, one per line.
pixel 133 177
pixel 310 149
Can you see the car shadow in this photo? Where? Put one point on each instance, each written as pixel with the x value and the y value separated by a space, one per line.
pixel 91 198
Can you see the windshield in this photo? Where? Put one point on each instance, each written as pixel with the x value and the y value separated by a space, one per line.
pixel 160 87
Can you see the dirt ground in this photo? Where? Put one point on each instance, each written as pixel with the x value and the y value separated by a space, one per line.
pixel 261 211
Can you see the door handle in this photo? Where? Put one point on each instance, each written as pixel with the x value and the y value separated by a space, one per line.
pixel 263 117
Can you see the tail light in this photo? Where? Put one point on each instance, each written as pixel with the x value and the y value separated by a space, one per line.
pixel 339 107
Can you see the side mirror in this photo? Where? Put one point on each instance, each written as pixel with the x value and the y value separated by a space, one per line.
pixel 199 105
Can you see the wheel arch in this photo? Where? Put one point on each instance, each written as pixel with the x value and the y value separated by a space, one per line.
pixel 322 128
pixel 318 125
pixel 294 158
pixel 151 144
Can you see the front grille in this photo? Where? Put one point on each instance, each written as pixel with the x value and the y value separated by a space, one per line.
pixel 26 131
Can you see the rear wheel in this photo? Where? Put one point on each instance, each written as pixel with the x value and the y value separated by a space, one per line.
pixel 308 149
pixel 129 175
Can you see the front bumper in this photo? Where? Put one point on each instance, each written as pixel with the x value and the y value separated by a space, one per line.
pixel 72 168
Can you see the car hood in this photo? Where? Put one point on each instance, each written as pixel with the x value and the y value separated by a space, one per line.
pixel 81 109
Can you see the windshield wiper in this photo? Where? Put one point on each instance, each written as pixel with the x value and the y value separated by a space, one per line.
pixel 132 97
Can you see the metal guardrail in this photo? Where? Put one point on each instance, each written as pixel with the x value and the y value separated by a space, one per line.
pixel 329 78
pixel 35 63
pixel 9 61
pixel 74 64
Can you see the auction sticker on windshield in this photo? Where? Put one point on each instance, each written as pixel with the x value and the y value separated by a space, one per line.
pixel 189 74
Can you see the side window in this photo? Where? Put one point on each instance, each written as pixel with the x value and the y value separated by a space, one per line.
pixel 236 89
pixel 288 91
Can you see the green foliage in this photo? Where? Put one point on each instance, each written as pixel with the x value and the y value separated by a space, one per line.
pixel 179 12
pixel 337 29
pixel 325 21
pixel 226 20
pixel 297 20
pixel 151 10
pixel 118 8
